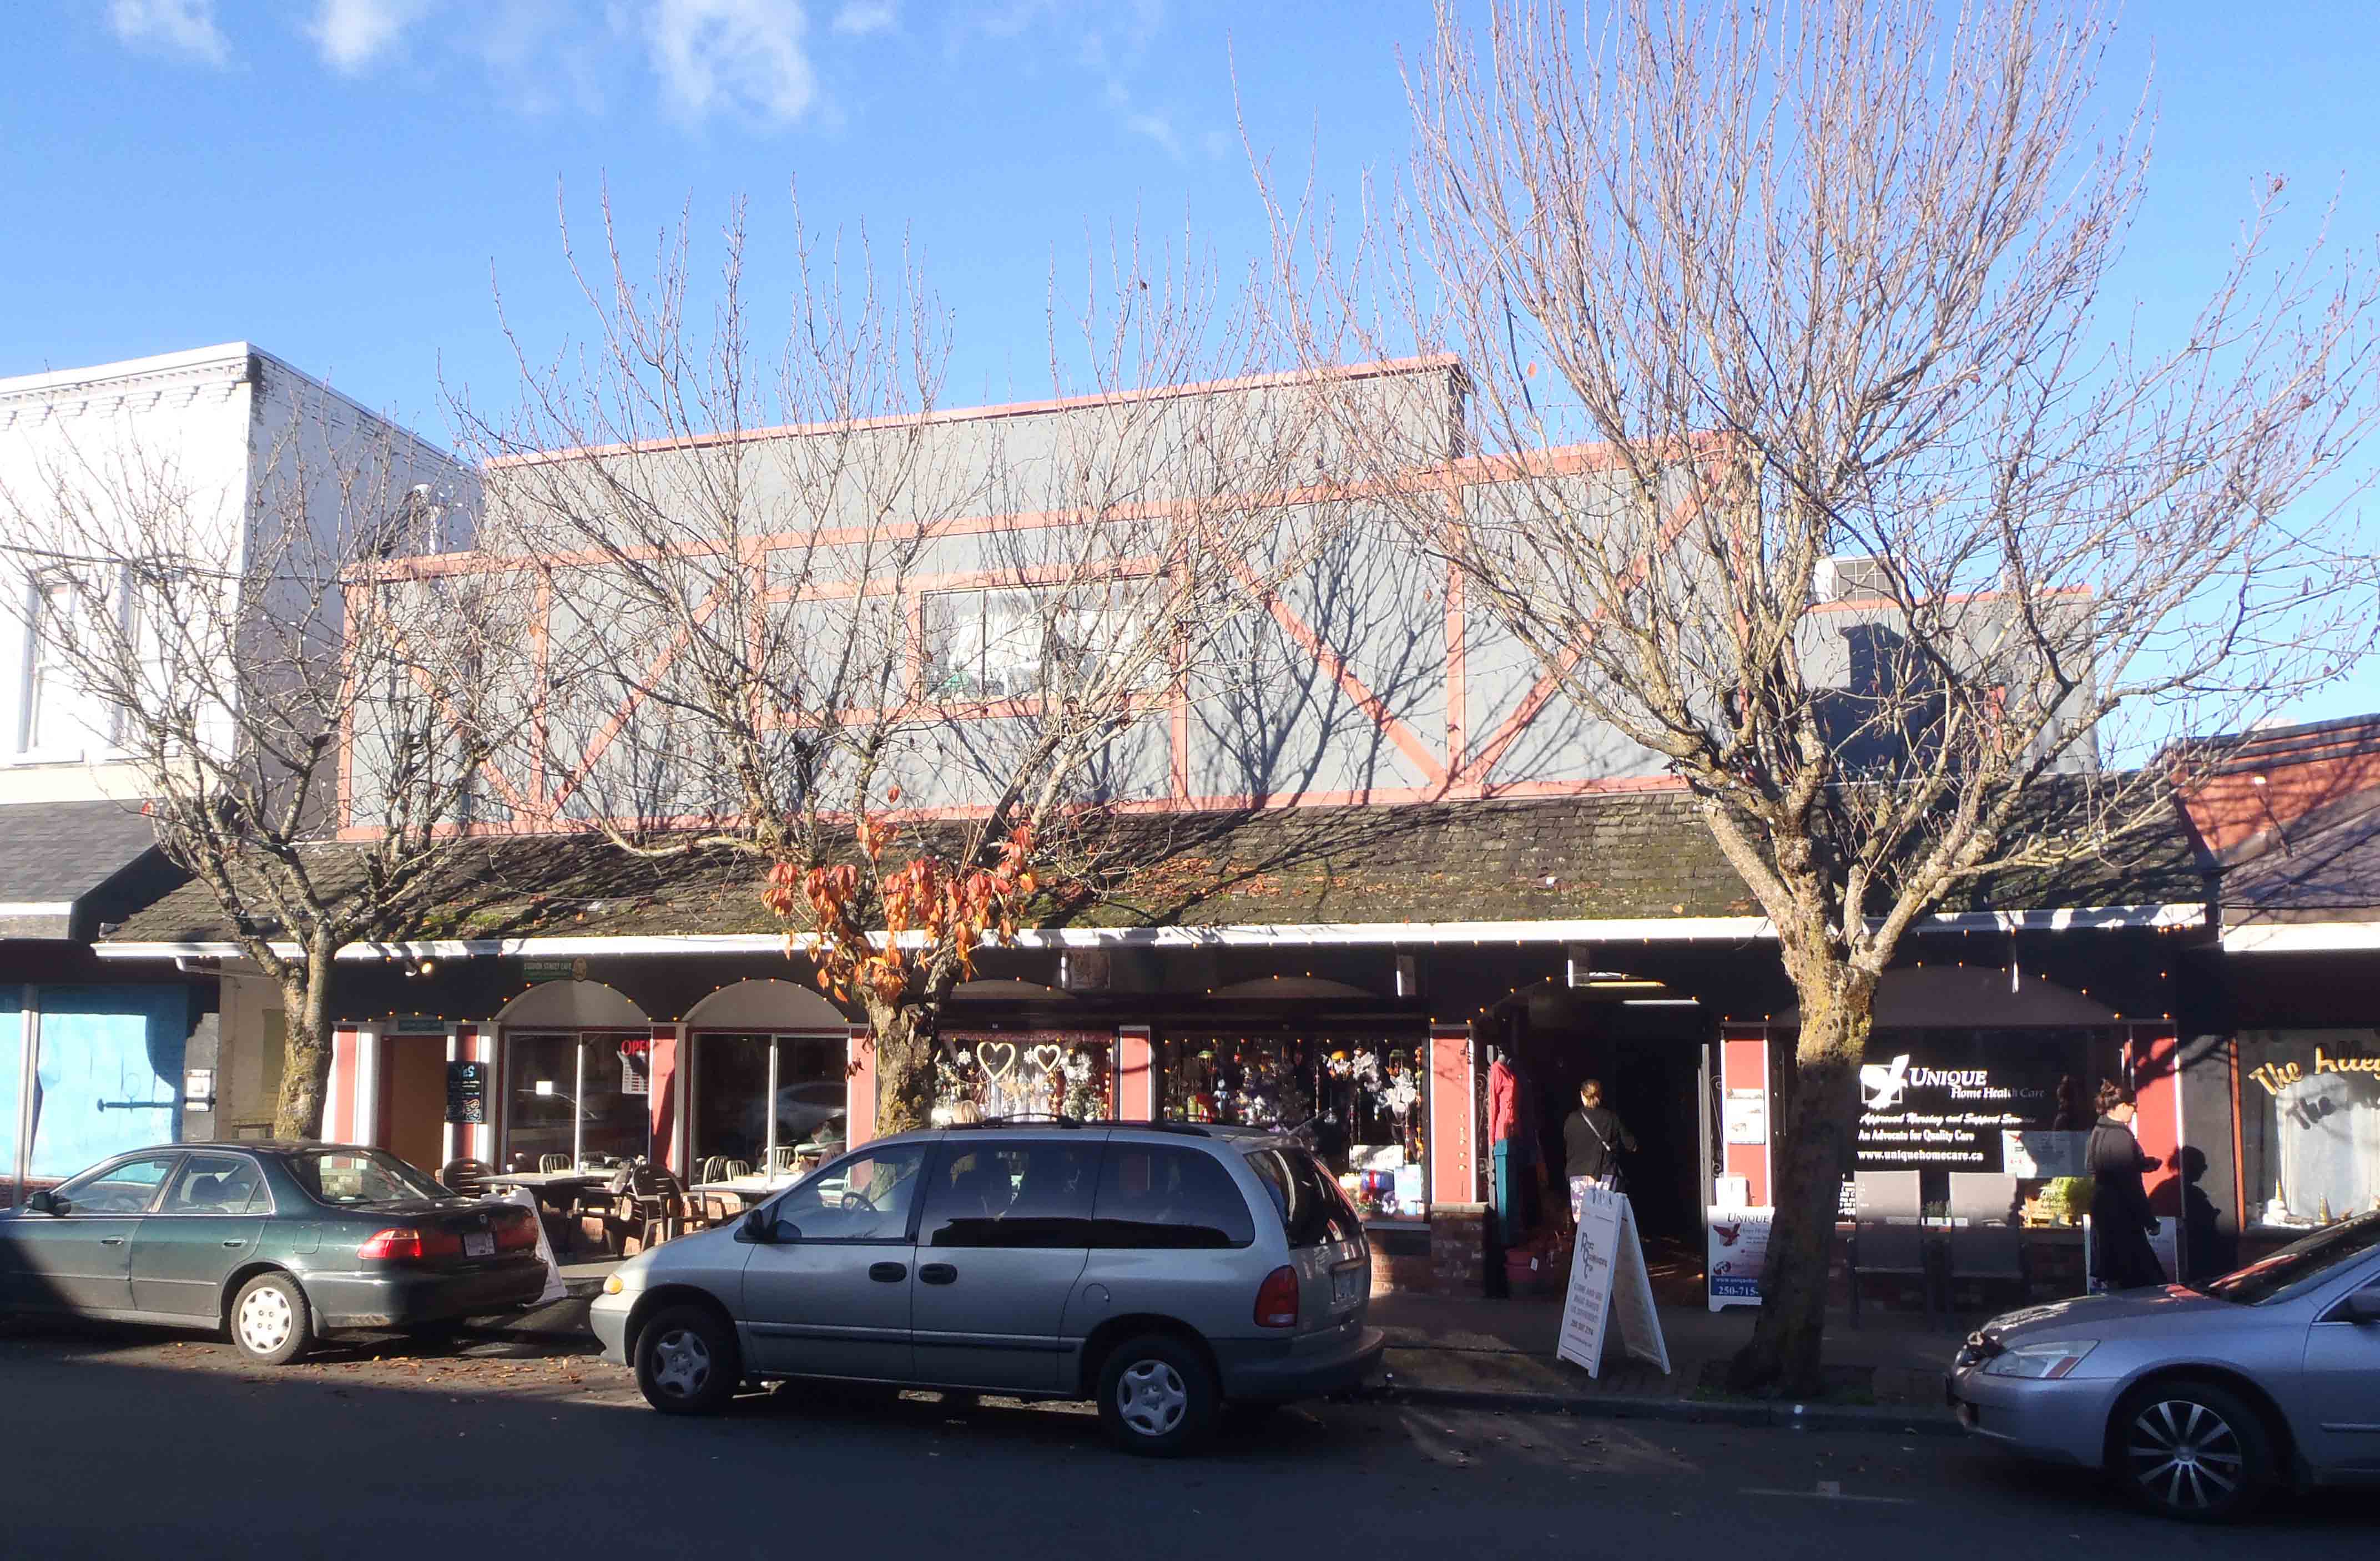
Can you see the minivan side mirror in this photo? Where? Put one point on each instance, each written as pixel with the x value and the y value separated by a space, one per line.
pixel 763 1226
pixel 2363 1306
pixel 44 1202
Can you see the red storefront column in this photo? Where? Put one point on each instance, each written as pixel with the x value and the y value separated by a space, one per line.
pixel 2153 1058
pixel 1453 1155
pixel 477 1140
pixel 663 1098
pixel 860 1070
pixel 1136 1056
pixel 1744 1068
pixel 342 1104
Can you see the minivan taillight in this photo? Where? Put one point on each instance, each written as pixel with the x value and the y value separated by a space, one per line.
pixel 1277 1300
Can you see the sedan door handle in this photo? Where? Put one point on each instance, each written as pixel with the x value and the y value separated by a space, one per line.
pixel 237 1241
pixel 111 1241
pixel 938 1274
pixel 888 1273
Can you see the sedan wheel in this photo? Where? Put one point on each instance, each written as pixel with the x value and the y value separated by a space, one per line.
pixel 2193 1452
pixel 270 1324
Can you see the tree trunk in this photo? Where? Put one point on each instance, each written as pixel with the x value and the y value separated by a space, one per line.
pixel 1821 1117
pixel 305 1056
pixel 904 1065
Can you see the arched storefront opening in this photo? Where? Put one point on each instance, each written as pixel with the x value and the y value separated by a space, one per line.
pixel 575 1066
pixel 755 1043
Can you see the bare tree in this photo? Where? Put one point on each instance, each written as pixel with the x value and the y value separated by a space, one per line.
pixel 904 657
pixel 238 649
pixel 1814 460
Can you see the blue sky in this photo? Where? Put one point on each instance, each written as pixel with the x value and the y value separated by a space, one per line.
pixel 336 180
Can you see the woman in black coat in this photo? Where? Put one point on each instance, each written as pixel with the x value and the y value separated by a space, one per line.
pixel 2122 1258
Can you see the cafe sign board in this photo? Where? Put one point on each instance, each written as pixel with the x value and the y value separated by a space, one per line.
pixel 466 1092
pixel 535 971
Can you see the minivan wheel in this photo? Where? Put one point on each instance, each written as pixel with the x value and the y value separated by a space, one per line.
pixel 1157 1396
pixel 2192 1450
pixel 687 1362
pixel 269 1321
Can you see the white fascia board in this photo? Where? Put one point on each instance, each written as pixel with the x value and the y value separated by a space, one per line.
pixel 2302 938
pixel 1643 930
pixel 36 907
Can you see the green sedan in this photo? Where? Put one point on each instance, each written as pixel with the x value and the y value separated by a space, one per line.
pixel 274 1244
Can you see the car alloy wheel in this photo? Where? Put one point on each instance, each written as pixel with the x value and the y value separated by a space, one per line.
pixel 265 1320
pixel 2186 1457
pixel 1152 1398
pixel 682 1363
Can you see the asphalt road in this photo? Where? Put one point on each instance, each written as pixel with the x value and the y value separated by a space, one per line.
pixel 137 1444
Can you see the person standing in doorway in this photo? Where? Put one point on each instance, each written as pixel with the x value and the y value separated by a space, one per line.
pixel 1593 1137
pixel 2122 1258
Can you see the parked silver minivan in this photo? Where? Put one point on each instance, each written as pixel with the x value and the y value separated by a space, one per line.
pixel 1163 1270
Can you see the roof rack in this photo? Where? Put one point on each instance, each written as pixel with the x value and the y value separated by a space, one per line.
pixel 1053 1119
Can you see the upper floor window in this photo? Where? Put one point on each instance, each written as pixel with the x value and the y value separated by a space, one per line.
pixel 60 714
pixel 1011 642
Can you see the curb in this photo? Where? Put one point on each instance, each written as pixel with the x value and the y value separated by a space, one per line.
pixel 1745 1415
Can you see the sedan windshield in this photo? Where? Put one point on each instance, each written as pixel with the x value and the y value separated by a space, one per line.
pixel 361 1175
pixel 2288 1272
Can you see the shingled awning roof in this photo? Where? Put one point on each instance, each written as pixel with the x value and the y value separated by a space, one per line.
pixel 1639 854
pixel 61 861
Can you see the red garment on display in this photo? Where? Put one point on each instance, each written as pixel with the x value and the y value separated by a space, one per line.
pixel 1503 1101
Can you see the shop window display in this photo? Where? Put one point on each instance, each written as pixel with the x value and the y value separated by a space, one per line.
pixel 1028 1074
pixel 581 1096
pixel 1359 1099
pixel 2309 1124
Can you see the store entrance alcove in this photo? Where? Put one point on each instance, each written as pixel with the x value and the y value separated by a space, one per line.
pixel 1647 1045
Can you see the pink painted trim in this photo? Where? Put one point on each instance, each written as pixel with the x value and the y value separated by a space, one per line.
pixel 860 1082
pixel 1136 1056
pixel 1379 369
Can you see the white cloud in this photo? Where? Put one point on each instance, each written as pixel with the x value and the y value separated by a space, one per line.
pixel 1157 128
pixel 353 33
pixel 859 18
pixel 174 27
pixel 742 56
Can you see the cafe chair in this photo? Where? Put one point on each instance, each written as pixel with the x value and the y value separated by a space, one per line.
pixel 714 1169
pixel 785 1158
pixel 467 1178
pixel 653 1202
pixel 1888 1236
pixel 1985 1239
pixel 732 1170
pixel 553 1162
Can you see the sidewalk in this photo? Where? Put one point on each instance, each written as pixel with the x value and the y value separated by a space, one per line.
pixel 1890 1369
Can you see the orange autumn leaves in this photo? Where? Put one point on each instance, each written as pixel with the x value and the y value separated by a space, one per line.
pixel 933 908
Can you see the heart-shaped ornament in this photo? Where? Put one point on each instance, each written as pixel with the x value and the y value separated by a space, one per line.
pixel 1047 1056
pixel 999 1059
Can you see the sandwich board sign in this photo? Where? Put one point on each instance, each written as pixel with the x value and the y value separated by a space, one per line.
pixel 1607 1277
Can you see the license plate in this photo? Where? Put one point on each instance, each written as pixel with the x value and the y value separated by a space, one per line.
pixel 1343 1285
pixel 478 1243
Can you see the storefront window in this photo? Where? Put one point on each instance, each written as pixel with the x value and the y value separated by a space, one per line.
pixel 579 1097
pixel 2310 1125
pixel 1029 1073
pixel 1360 1099
pixel 735 1076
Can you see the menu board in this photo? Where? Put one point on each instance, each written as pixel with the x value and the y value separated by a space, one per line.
pixel 466 1092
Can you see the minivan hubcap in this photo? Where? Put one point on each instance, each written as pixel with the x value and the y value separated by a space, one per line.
pixel 681 1363
pixel 2185 1454
pixel 1151 1398
pixel 264 1320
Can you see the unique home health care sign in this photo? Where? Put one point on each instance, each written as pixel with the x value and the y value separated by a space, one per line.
pixel 1738 1250
pixel 1607 1276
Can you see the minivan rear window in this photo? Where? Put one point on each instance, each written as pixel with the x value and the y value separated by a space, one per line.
pixel 1313 1211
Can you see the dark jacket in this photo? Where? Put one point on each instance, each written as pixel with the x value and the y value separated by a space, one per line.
pixel 1592 1141
pixel 2120 1220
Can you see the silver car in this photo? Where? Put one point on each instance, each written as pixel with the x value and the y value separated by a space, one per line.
pixel 2197 1401
pixel 1165 1271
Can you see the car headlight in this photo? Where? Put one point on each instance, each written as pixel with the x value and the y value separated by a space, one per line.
pixel 2044 1361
